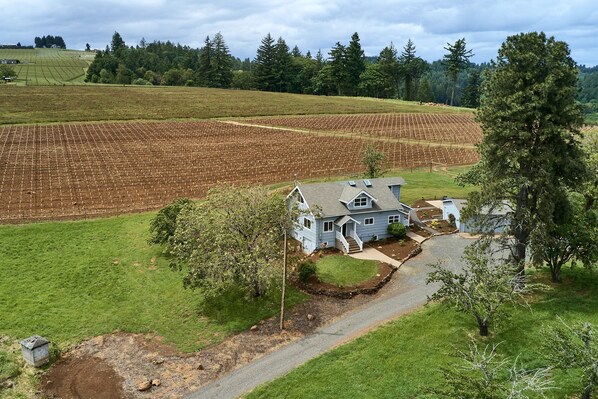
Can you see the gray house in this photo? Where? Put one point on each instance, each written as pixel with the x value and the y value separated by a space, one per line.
pixel 494 220
pixel 346 214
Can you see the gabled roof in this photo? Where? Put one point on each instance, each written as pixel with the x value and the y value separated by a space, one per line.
pixel 327 197
pixel 499 210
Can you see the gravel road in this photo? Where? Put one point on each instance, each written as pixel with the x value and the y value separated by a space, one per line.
pixel 406 291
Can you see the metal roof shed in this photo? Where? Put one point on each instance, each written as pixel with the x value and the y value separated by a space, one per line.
pixel 35 350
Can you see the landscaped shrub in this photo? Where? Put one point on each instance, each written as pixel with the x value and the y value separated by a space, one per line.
pixel 397 230
pixel 452 220
pixel 435 224
pixel 163 225
pixel 306 270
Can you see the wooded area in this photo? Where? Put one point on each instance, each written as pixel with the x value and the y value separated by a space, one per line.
pixel 345 70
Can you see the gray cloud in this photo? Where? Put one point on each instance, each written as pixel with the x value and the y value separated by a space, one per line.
pixel 310 24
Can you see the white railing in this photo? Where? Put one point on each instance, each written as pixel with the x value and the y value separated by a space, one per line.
pixel 340 238
pixel 358 240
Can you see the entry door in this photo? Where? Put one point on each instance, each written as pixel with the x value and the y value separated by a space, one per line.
pixel 344 230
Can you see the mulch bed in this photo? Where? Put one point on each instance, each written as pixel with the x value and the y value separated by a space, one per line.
pixel 445 227
pixel 419 231
pixel 425 214
pixel 394 248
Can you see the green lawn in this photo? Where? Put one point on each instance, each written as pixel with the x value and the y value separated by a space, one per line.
pixel 402 358
pixel 420 183
pixel 44 104
pixel 345 271
pixel 73 280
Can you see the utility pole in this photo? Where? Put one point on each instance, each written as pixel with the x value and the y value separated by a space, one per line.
pixel 284 279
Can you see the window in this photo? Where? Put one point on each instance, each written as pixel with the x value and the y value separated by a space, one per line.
pixel 301 200
pixel 394 219
pixel 368 221
pixel 360 202
pixel 328 226
pixel 307 223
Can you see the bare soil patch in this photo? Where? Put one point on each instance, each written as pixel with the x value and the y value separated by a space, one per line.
pixel 114 365
pixel 87 170
pixel 427 214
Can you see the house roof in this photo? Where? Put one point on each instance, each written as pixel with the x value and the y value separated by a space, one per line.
pixel 498 210
pixel 327 197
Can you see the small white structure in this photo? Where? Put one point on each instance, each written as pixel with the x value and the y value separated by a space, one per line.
pixel 35 350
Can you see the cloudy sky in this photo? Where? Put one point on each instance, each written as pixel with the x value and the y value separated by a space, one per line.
pixel 309 24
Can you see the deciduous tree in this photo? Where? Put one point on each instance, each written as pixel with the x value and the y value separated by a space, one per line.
pixel 482 289
pixel 232 238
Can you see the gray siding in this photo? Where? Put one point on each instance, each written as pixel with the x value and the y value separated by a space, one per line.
pixel 448 208
pixel 380 226
pixel 396 190
pixel 351 205
pixel 328 237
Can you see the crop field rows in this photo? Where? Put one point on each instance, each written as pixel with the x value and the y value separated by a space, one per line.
pixel 444 128
pixel 75 171
pixel 49 66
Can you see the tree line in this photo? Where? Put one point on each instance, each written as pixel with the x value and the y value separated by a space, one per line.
pixel 345 70
pixel 49 41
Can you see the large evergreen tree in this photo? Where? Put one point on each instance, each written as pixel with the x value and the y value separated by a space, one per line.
pixel 222 74
pixel 338 67
pixel 388 66
pixel 455 61
pixel 530 152
pixel 264 73
pixel 282 65
pixel 471 94
pixel 354 64
pixel 205 63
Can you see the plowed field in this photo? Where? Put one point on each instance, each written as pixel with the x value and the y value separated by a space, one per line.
pixel 75 171
pixel 443 128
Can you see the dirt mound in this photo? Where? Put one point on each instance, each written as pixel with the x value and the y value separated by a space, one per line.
pixel 82 378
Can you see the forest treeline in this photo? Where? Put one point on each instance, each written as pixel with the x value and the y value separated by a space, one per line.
pixel 397 72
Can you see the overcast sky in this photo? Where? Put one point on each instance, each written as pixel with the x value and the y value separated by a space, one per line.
pixel 309 24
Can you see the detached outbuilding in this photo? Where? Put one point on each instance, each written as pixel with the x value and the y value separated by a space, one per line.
pixel 36 350
pixel 490 220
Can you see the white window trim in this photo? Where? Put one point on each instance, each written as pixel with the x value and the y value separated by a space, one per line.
pixel 365 222
pixel 304 223
pixel 360 198
pixel 331 227
pixel 398 217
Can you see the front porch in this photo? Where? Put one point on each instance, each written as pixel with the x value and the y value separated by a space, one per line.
pixel 347 239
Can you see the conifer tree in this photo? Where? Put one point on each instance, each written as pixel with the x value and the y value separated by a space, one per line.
pixel 264 64
pixel 354 64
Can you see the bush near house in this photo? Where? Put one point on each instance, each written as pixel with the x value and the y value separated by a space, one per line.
pixel 397 230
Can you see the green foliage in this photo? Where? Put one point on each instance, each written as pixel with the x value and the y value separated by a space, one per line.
pixel 163 225
pixel 470 97
pixel 264 71
pixel 8 367
pixel 231 239
pixel 530 151
pixel 575 347
pixel 345 271
pixel 482 374
pixel 482 289
pixel 374 161
pixel 354 64
pixel 397 230
pixel 7 71
pixel 306 269
pixel 411 68
pixel 455 61
pixel 452 220
pixel 388 67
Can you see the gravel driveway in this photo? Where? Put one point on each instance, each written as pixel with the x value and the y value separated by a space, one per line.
pixel 406 291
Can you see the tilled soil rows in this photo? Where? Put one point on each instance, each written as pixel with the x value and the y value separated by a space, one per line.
pixel 425 127
pixel 75 171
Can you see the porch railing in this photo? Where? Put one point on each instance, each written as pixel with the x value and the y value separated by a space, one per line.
pixel 358 240
pixel 340 238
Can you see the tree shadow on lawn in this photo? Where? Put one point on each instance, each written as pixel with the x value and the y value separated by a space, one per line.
pixel 234 311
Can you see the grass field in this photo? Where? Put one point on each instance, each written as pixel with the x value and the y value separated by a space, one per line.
pixel 402 359
pixel 72 280
pixel 48 66
pixel 104 103
pixel 345 271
